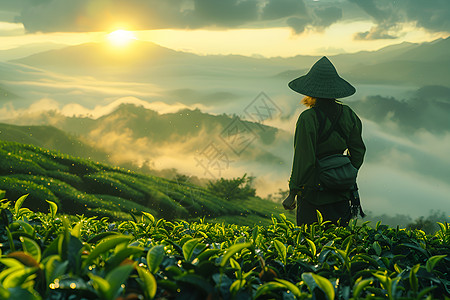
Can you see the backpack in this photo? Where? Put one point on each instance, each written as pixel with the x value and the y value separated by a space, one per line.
pixel 335 172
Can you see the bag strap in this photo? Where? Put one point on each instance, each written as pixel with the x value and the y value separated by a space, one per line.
pixel 321 120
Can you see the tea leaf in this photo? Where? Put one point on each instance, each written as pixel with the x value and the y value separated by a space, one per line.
pixel 120 256
pixel 189 247
pixel 76 230
pixel 413 281
pixel 148 282
pixel 232 251
pixel 290 286
pixel 319 217
pixel 425 291
pixel 54 268
pixel 268 287
pixel 105 245
pixel 11 263
pixel 255 233
pixel 312 247
pixel 281 249
pixel 155 257
pixel 53 208
pixel 116 278
pixel 205 255
pixel 18 277
pixel 432 261
pixel 4 293
pixel 100 285
pixel 237 285
pixel 359 286
pixel 376 246
pixel 31 247
pixel 325 285
pixel 25 258
pixel 414 247
pixel 26 227
pixel 148 216
pixel 19 203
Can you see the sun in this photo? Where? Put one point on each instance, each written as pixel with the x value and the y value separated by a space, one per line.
pixel 121 37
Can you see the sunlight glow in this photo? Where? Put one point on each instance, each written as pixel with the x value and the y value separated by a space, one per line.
pixel 121 37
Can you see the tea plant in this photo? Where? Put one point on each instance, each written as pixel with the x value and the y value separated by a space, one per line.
pixel 54 256
pixel 80 186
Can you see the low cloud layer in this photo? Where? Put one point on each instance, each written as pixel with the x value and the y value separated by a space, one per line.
pixel 402 173
pixel 408 140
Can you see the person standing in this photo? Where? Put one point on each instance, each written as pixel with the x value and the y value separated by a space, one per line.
pixel 328 127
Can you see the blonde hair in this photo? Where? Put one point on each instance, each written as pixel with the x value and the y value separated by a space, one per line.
pixel 309 101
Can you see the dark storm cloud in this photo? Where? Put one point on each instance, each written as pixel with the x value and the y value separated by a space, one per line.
pixel 389 16
pixel 376 33
pixel 276 9
pixel 319 18
pixel 13 5
pixel 225 13
pixel 430 14
pixel 85 15
pixel 101 15
pixel 298 24
pixel 326 16
pixel 385 16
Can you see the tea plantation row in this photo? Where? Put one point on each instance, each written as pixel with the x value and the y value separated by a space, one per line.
pixel 52 256
pixel 81 186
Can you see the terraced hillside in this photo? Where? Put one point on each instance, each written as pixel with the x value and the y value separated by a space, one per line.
pixel 80 186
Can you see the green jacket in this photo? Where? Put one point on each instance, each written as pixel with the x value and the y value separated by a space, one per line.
pixel 306 150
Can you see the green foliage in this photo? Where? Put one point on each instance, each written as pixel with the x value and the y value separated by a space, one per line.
pixel 429 223
pixel 50 256
pixel 38 193
pixel 238 188
pixel 81 186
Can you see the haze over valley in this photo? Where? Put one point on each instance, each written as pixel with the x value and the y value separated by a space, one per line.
pixel 162 109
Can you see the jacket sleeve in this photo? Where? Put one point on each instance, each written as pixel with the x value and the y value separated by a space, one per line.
pixel 304 150
pixel 355 144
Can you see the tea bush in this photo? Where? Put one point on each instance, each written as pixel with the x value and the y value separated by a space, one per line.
pixel 74 184
pixel 53 256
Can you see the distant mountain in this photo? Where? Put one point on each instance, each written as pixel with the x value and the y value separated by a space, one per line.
pixel 140 60
pixel 27 50
pixel 423 64
pixel 134 134
pixel 100 54
pixel 419 64
pixel 428 108
pixel 435 51
pixel 51 138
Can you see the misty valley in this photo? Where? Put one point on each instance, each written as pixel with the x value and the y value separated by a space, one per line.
pixel 161 110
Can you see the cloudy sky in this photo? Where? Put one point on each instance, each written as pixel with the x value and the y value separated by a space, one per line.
pixel 249 27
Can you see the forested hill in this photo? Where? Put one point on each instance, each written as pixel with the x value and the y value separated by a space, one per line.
pixel 81 186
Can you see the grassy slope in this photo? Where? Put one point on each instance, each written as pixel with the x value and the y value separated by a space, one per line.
pixel 51 138
pixel 81 186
